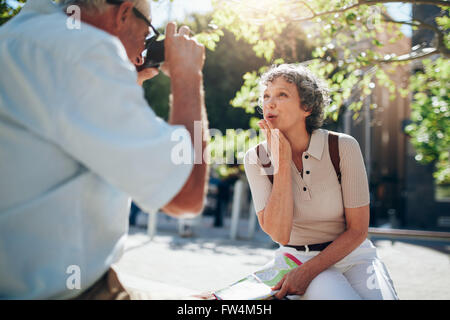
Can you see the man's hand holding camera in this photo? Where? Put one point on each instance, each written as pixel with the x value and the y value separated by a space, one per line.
pixel 184 56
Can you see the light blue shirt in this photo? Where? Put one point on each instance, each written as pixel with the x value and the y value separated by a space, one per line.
pixel 77 140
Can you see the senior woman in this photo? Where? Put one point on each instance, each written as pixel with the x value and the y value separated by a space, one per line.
pixel 320 219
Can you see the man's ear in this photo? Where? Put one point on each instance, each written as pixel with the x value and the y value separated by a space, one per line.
pixel 124 14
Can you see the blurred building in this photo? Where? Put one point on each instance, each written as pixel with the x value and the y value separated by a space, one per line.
pixel 423 207
pixel 403 194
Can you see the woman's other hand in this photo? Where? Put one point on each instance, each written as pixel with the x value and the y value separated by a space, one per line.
pixel 294 283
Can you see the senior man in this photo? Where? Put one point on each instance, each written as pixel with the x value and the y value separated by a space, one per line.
pixel 78 141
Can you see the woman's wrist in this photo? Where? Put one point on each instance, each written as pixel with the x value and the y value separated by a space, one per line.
pixel 314 267
pixel 283 174
pixel 284 167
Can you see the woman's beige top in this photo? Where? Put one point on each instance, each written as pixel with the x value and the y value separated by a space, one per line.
pixel 319 200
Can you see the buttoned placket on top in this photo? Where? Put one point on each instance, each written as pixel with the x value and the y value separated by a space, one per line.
pixel 315 150
pixel 303 182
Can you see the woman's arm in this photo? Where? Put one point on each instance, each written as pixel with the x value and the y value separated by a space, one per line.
pixel 297 281
pixel 276 218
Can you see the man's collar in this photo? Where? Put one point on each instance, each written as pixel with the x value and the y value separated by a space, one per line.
pixel 317 143
pixel 40 6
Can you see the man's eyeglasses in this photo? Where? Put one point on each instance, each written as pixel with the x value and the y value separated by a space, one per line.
pixel 151 37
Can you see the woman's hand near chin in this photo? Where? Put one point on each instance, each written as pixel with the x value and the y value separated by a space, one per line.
pixel 277 143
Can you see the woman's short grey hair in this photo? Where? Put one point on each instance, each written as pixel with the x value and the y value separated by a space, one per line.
pixel 99 5
pixel 313 91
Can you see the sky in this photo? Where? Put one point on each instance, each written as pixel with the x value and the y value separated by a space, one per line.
pixel 177 10
pixel 401 12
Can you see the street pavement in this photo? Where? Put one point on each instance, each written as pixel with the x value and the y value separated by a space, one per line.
pixel 169 266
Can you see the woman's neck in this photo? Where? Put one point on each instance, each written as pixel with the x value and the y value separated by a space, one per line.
pixel 298 138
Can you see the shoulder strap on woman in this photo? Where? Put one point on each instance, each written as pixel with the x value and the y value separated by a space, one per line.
pixel 267 163
pixel 333 147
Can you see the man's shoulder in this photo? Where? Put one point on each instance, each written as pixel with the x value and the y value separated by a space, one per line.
pixel 58 35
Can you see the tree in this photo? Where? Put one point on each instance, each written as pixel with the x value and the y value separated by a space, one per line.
pixel 9 10
pixel 349 55
pixel 430 127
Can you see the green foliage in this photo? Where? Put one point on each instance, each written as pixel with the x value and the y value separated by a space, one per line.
pixel 443 23
pixel 247 96
pixel 430 127
pixel 157 91
pixel 9 9
pixel 210 39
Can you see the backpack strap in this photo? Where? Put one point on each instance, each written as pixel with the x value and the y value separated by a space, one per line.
pixel 333 148
pixel 266 164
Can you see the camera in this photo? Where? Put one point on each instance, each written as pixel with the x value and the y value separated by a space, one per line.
pixel 154 55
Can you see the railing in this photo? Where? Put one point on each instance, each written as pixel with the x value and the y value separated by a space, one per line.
pixel 409 234
pixel 240 189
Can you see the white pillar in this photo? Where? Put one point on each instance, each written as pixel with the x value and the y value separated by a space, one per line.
pixel 236 210
pixel 151 224
pixel 252 221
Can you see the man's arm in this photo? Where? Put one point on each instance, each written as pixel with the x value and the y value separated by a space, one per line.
pixel 185 58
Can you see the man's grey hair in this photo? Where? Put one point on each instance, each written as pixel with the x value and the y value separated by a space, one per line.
pixel 313 91
pixel 99 5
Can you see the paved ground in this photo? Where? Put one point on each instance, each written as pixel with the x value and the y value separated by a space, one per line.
pixel 174 267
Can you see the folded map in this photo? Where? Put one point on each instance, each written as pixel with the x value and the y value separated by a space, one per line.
pixel 258 285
